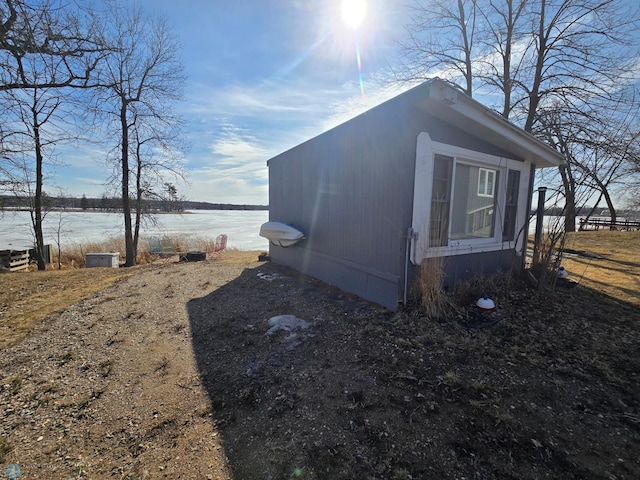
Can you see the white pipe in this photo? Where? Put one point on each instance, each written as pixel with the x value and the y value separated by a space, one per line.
pixel 411 234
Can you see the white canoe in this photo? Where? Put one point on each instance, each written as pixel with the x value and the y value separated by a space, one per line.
pixel 281 234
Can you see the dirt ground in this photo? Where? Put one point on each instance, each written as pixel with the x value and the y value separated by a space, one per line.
pixel 247 370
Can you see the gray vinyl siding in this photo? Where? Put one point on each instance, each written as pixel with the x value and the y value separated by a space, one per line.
pixel 461 267
pixel 350 191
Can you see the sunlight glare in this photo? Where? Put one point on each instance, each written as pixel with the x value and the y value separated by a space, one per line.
pixel 353 12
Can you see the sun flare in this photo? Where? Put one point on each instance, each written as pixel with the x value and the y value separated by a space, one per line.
pixel 353 12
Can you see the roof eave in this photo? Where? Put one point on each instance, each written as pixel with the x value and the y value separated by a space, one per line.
pixel 452 105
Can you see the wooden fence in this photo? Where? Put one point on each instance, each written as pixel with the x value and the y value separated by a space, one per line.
pixel 14 260
pixel 596 223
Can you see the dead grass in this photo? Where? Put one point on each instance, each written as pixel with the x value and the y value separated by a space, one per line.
pixel 27 298
pixel 73 255
pixel 611 264
pixel 433 301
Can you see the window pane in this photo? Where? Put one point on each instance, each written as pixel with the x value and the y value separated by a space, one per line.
pixel 491 178
pixel 474 195
pixel 440 201
pixel 486 182
pixel 511 205
pixel 482 181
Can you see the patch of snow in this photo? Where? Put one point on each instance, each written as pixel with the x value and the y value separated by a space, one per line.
pixel 287 323
pixel 291 325
pixel 269 277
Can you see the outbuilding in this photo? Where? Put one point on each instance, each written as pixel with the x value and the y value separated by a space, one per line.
pixel 429 173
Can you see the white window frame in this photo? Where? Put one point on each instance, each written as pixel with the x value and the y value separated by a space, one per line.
pixel 483 192
pixel 425 152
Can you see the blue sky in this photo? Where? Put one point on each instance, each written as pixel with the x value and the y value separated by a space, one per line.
pixel 263 76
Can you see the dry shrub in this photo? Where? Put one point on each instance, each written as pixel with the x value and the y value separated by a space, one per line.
pixel 437 303
pixel 144 256
pixel 432 299
pixel 73 255
pixel 471 289
pixel 182 243
pixel 547 256
pixel 203 243
pixel 550 253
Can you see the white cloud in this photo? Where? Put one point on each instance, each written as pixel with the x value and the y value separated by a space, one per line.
pixel 221 187
pixel 235 146
pixel 345 109
pixel 272 106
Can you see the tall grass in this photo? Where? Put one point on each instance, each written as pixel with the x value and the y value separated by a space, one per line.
pixel 72 255
pixel 432 299
pixel 546 262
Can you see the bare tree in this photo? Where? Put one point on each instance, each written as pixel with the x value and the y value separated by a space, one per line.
pixel 579 50
pixel 140 79
pixel 581 57
pixel 155 160
pixel 51 33
pixel 503 38
pixel 44 47
pixel 58 231
pixel 537 57
pixel 41 110
pixel 600 142
pixel 441 38
pixel 37 118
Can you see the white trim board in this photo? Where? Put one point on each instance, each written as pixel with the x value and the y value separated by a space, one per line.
pixel 425 151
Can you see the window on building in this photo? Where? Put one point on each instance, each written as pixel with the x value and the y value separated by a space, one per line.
pixel 511 205
pixel 486 182
pixel 473 212
pixel 465 202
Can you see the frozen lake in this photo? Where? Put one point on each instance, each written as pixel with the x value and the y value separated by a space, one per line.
pixel 76 227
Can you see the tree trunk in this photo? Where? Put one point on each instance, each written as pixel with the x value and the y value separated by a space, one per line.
pixel 604 192
pixel 467 50
pixel 612 210
pixel 534 94
pixel 506 65
pixel 136 233
pixel 37 201
pixel 569 197
pixel 593 209
pixel 130 257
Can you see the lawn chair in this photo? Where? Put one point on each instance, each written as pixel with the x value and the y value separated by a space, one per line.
pixel 162 247
pixel 220 244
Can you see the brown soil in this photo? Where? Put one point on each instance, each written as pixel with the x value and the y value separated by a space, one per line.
pixel 171 373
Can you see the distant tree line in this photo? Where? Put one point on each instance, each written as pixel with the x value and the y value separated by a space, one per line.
pixel 589 211
pixel 114 204
pixel 221 206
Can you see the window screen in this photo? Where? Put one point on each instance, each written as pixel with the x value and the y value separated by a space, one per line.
pixel 440 201
pixel 511 205
pixel 473 211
